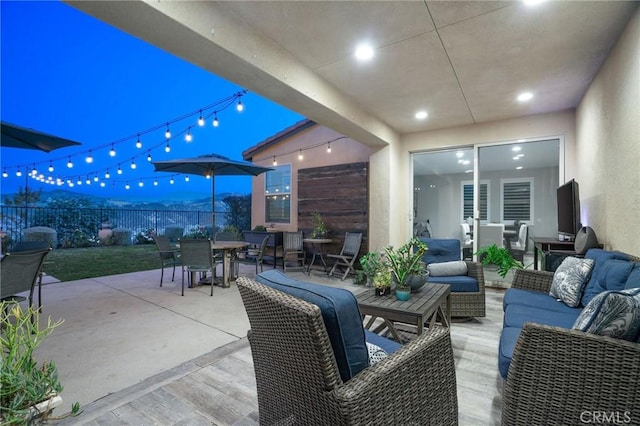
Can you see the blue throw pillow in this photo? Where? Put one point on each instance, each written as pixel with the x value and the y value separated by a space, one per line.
pixel 569 280
pixel 612 275
pixel 634 277
pixel 341 317
pixel 612 313
pixel 599 257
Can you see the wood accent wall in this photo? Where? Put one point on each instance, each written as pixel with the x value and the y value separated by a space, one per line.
pixel 340 193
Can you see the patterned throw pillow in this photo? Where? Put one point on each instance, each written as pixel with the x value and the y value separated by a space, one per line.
pixel 614 313
pixel 569 280
pixel 376 353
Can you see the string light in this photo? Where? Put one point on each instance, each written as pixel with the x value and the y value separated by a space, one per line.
pixel 50 167
pixel 96 178
pixel 167 133
pixel 167 148
pixel 102 184
pixel 329 147
pixel 127 186
pixel 89 158
pixel 138 142
pixel 149 156
pixel 70 164
pixel 18 173
pixel 171 181
pixel 300 156
pixel 216 123
pixel 112 151
pixel 133 164
pixel 141 183
pixel 239 106
pixel 155 182
pixel 200 120
pixel 188 136
pixel 107 175
pixel 186 178
pixel 4 173
pixel 119 170
pixel 275 163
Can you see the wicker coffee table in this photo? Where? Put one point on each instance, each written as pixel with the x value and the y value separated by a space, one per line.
pixel 425 305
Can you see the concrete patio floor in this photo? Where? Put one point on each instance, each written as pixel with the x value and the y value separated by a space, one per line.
pixel 119 330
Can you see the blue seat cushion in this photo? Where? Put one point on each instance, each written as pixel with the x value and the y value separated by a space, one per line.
pixel 517 315
pixel 460 283
pixel 341 317
pixel 634 277
pixel 388 345
pixel 612 275
pixel 508 340
pixel 441 250
pixel 536 299
pixel 599 257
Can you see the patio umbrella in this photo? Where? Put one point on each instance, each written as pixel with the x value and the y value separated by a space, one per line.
pixel 210 165
pixel 14 136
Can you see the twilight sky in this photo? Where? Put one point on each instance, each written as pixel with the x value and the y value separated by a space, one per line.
pixel 68 74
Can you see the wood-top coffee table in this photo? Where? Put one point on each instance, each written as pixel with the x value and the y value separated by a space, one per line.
pixel 424 305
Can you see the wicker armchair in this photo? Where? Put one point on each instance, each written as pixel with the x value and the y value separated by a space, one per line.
pixel 561 376
pixel 299 383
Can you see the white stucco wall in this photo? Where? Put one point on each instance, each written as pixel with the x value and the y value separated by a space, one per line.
pixel 608 146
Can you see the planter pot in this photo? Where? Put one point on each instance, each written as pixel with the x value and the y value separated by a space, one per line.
pixel 415 282
pixel 382 291
pixel 45 407
pixel 403 293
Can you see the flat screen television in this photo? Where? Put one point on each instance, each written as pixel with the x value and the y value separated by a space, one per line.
pixel 568 209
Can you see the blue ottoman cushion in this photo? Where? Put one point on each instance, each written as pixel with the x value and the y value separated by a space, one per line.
pixel 341 317
pixel 459 283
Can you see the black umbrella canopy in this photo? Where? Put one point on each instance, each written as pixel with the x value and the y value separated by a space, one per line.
pixel 14 136
pixel 210 165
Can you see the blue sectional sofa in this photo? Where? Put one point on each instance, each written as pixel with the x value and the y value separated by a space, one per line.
pixel 556 372
pixel 467 286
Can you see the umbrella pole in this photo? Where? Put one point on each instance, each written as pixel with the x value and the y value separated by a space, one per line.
pixel 213 203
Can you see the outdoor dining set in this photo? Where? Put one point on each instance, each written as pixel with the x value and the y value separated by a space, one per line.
pixel 199 258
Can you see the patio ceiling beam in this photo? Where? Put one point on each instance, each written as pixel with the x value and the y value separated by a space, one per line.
pixel 209 35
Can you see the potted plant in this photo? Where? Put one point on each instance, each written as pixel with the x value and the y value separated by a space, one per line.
pixel 319 228
pixel 382 282
pixel 499 256
pixel 371 263
pixel 406 264
pixel 29 390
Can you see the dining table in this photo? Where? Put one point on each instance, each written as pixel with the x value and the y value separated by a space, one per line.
pixel 228 249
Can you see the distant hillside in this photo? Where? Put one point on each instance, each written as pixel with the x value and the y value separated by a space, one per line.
pixel 171 201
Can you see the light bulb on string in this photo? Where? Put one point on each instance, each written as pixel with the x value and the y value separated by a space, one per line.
pixel 171 181
pixel 149 156
pixel 216 123
pixel 188 136
pixel 200 120
pixel 167 148
pixel 127 186
pixel 96 178
pixel 4 173
pixel 89 158
pixel 88 181
pixel 69 163
pixel 112 151
pixel 119 170
pixel 300 156
pixel 50 167
pixel 275 162
pixel 107 175
pixel 133 164
pixel 18 173
pixel 155 182
pixel 138 142
pixel 167 133
pixel 140 184
pixel 102 184
pixel 79 182
pixel 329 147
pixel 239 106
pixel 186 178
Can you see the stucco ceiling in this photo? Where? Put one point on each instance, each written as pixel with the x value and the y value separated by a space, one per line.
pixel 462 62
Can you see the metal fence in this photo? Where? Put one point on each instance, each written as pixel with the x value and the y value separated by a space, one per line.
pixel 66 221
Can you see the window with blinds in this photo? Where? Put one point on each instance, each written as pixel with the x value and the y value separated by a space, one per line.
pixel 467 200
pixel 278 195
pixel 516 200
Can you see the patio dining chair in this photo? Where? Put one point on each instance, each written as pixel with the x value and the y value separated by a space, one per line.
pixel 168 255
pixel 348 254
pixel 253 256
pixel 293 250
pixel 197 257
pixel 19 272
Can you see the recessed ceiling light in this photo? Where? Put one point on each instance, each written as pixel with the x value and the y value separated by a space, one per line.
pixel 533 2
pixel 466 162
pixel 459 154
pixel 364 52
pixel 421 115
pixel 516 148
pixel 460 161
pixel 525 96
pixel 468 171
pixel 517 157
pixel 519 168
pixel 520 155
pixel 522 140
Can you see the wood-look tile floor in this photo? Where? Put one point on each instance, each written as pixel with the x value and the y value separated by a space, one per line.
pixel 219 388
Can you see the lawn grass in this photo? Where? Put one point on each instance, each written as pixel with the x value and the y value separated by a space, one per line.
pixel 80 263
